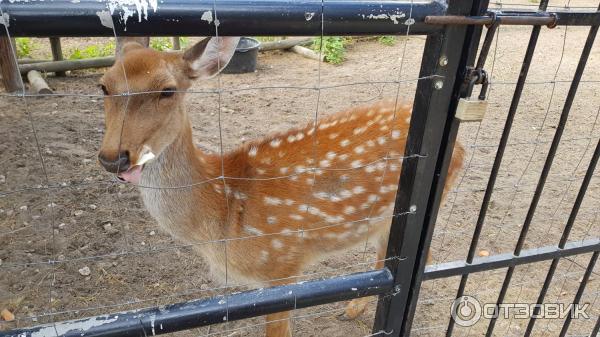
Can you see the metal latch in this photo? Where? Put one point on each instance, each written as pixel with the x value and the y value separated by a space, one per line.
pixel 469 109
pixel 474 109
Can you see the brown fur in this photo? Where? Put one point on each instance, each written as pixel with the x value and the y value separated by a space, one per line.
pixel 269 187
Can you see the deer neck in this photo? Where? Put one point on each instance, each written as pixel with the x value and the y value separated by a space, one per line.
pixel 176 194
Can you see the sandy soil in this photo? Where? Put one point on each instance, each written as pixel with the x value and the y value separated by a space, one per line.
pixel 86 220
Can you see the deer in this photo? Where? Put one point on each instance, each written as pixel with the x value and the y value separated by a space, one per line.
pixel 292 198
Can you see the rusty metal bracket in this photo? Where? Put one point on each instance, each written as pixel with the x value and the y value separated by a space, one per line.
pixel 506 18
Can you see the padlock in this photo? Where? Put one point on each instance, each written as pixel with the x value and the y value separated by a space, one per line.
pixel 473 110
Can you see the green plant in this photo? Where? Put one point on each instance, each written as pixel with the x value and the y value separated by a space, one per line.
pixel 93 51
pixel 161 43
pixel 388 40
pixel 24 46
pixel 267 38
pixel 184 41
pixel 333 48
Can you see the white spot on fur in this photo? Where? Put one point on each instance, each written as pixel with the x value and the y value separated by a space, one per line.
pixel 325 163
pixel 283 170
pixel 360 130
pixel 358 190
pixel 264 256
pixel 289 202
pixel 260 171
pixel 310 181
pixel 300 169
pixel 359 149
pixel 381 140
pixel 349 210
pixel 345 194
pixel 253 151
pixel 271 220
pixel 286 232
pixel 356 164
pixel 344 157
pixel 277 244
pixel 395 134
pixel 344 143
pixel 333 135
pixel 275 142
pixel 272 201
pixel 252 230
pixel 296 217
pixel 330 155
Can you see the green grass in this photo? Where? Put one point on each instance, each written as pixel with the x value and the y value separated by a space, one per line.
pixel 334 48
pixel 161 43
pixel 387 40
pixel 93 51
pixel 25 47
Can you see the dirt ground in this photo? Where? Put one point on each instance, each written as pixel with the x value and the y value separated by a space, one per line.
pixel 92 224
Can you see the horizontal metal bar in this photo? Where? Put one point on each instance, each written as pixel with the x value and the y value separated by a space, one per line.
pixel 236 17
pixel 550 19
pixel 456 268
pixel 192 314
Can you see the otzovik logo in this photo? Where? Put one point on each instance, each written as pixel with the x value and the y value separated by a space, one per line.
pixel 466 311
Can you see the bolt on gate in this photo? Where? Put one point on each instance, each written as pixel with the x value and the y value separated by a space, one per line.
pixel 451 67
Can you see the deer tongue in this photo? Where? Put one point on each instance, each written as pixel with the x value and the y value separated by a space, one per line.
pixel 132 175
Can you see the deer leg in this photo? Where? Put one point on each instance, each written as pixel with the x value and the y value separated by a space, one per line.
pixel 357 306
pixel 278 325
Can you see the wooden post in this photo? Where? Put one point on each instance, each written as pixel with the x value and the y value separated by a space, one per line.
pixel 37 83
pixel 8 66
pixel 57 54
pixel 176 43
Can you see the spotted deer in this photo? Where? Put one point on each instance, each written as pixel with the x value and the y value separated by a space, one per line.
pixel 282 201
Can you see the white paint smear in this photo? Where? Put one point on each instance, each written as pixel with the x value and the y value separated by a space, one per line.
pixel 129 8
pixel 105 19
pixel 63 328
pixel 309 15
pixel 384 16
pixel 4 20
pixel 207 16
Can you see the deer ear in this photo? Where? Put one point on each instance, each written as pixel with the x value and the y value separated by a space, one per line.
pixel 127 46
pixel 209 56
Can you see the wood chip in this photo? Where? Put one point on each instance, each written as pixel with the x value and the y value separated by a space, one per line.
pixel 7 315
pixel 484 253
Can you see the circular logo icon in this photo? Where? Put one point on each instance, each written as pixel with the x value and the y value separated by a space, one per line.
pixel 466 311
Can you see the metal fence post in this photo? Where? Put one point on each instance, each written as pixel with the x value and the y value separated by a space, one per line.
pixel 432 134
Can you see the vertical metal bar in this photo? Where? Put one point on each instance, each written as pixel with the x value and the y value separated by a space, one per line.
pixel 467 57
pixel 589 43
pixel 580 291
pixel 430 123
pixel 57 54
pixel 498 160
pixel 8 68
pixel 565 236
pixel 596 328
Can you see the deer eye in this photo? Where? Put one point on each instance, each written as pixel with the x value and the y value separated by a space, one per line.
pixel 104 90
pixel 167 92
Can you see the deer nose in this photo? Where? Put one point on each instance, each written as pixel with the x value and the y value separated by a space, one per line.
pixel 119 164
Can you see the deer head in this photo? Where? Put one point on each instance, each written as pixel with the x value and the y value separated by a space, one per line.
pixel 144 100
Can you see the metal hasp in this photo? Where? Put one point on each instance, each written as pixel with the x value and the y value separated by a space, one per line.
pixel 192 314
pixel 64 18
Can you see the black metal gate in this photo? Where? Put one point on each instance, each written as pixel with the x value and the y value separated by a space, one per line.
pixel 448 71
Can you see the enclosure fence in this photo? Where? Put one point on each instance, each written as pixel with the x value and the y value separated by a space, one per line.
pixel 455 61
